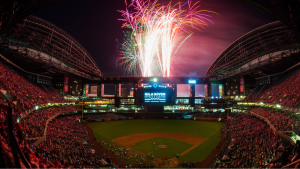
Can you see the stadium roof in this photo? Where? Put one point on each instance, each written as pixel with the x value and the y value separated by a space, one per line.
pixel 14 11
pixel 259 47
pixel 44 43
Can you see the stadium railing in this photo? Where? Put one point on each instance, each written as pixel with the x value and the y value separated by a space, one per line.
pixel 280 133
pixel 43 138
pixel 15 148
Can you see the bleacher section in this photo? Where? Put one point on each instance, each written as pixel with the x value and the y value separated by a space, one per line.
pixel 286 92
pixel 251 143
pixel 20 94
pixel 24 92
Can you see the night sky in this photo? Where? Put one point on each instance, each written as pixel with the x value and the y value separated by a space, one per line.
pixel 95 24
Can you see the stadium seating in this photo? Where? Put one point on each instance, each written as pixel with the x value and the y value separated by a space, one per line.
pixel 23 91
pixel 285 93
pixel 253 144
pixel 27 96
pixel 63 135
pixel 34 124
pixel 64 145
pixel 282 121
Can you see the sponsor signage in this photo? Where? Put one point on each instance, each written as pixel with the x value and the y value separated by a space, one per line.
pixel 152 97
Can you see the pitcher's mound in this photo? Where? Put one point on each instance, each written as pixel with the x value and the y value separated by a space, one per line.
pixel 162 146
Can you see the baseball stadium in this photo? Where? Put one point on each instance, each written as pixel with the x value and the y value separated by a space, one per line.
pixel 150 84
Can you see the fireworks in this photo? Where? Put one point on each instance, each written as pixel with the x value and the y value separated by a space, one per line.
pixel 153 32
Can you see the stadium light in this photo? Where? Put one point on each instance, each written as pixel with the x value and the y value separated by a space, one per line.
pixel 192 81
pixel 261 103
pixel 278 106
pixel 36 107
pixel 155 79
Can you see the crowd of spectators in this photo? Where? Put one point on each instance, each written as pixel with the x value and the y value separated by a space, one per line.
pixel 64 146
pixel 286 93
pixel 23 91
pixel 253 144
pixel 126 154
pixel 35 123
pixel 281 120
pixel 252 97
pixel 6 144
pixel 65 141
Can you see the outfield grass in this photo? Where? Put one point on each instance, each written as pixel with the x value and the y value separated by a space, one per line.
pixel 107 131
pixel 174 147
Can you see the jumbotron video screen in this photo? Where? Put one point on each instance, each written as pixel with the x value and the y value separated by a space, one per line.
pixel 155 94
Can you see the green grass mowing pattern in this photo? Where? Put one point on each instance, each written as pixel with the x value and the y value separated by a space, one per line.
pixel 174 147
pixel 107 131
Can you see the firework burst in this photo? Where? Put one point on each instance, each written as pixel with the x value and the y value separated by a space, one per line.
pixel 152 35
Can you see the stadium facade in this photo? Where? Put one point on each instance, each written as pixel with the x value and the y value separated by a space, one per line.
pixel 48 55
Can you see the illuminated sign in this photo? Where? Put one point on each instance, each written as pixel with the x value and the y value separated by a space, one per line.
pixel 159 95
pixel 66 89
pixel 147 86
pixel 220 90
pixel 155 97
pixel 192 81
pixel 154 86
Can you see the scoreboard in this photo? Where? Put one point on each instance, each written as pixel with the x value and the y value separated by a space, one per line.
pixel 154 94
pixel 155 97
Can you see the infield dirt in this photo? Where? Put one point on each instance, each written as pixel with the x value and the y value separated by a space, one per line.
pixel 130 140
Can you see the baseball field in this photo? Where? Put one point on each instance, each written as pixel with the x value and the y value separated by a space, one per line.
pixel 144 139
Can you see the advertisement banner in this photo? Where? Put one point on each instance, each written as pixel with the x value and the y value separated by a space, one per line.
pixel 205 119
pixel 66 81
pixel 66 88
pixel 86 89
pixel 242 88
pixel 220 90
pixel 94 89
